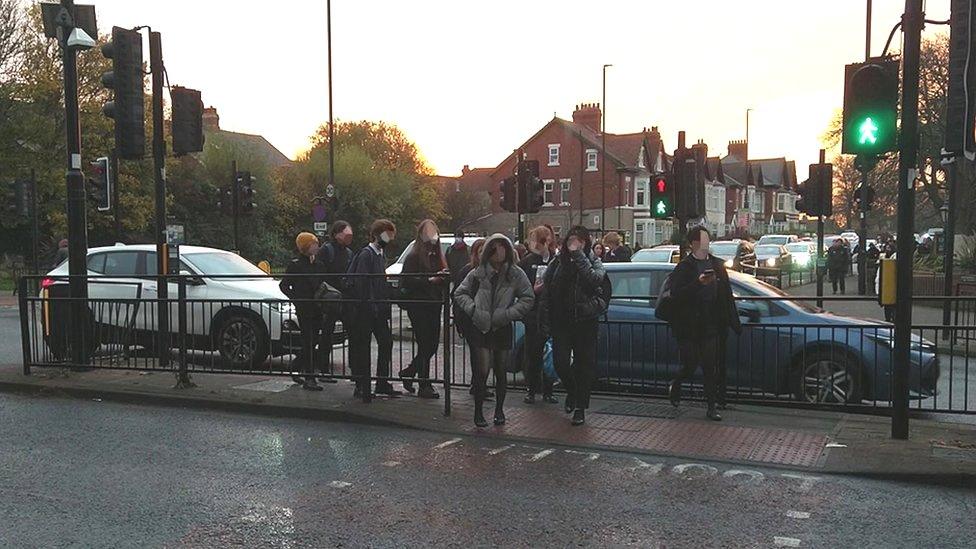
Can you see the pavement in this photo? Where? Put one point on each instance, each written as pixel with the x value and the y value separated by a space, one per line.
pixel 938 451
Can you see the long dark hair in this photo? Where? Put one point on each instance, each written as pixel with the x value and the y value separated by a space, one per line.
pixel 581 233
pixel 492 244
pixel 429 254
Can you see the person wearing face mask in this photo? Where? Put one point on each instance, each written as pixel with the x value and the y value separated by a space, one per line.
pixel 370 317
pixel 703 312
pixel 575 294
pixel 458 256
pixel 427 261
pixel 334 258
pixel 493 296
pixel 301 279
pixel 535 264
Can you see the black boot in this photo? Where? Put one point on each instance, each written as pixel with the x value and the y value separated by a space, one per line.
pixel 499 417
pixel 570 405
pixel 409 371
pixel 479 402
pixel 579 416
pixel 712 413
pixel 674 393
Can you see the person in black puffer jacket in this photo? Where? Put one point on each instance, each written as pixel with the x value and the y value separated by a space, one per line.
pixel 574 296
pixel 302 278
pixel 536 261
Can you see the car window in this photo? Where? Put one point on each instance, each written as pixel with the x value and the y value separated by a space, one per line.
pixel 768 250
pixel 631 285
pixel 121 263
pixel 653 256
pixel 216 263
pixel 96 263
pixel 724 248
pixel 802 247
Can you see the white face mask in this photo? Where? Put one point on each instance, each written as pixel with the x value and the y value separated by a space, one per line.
pixel 386 237
pixel 430 239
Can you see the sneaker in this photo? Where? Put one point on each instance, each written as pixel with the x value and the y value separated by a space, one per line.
pixel 579 417
pixel 311 385
pixel 298 379
pixel 479 419
pixel 550 399
pixel 385 388
pixel 427 391
pixel 713 414
pixel 529 399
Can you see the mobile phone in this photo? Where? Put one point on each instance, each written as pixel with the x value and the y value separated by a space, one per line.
pixel 708 272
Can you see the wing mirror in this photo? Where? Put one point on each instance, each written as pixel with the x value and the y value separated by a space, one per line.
pixel 748 310
pixel 192 280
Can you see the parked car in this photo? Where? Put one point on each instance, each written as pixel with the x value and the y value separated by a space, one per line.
pixel 245 319
pixel 736 253
pixel 664 253
pixel 446 240
pixel 780 239
pixel 786 347
pixel 772 258
pixel 803 255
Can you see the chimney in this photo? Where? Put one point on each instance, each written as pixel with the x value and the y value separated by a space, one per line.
pixel 211 121
pixel 739 149
pixel 589 115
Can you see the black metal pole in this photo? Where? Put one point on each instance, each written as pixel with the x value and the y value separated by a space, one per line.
pixel 603 156
pixel 35 230
pixel 820 241
pixel 862 256
pixel 77 222
pixel 950 239
pixel 115 195
pixel 582 168
pixel 912 22
pixel 328 32
pixel 236 194
pixel 159 178
pixel 519 198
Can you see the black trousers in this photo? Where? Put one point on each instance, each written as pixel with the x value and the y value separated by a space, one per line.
pixel 705 352
pixel 576 340
pixel 426 322
pixel 534 351
pixel 367 325
pixel 327 342
pixel 310 324
pixel 838 278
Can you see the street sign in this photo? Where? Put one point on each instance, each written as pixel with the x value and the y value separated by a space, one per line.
pixel 330 190
pixel 319 213
pixel 320 227
pixel 175 234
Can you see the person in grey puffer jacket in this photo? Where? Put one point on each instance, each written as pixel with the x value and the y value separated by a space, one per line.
pixel 575 295
pixel 493 296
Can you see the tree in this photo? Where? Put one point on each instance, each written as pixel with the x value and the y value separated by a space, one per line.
pixel 464 205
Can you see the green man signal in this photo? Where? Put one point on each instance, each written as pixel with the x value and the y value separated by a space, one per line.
pixel 870 107
pixel 662 197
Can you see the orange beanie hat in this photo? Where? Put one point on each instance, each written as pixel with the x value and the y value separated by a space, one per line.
pixel 304 240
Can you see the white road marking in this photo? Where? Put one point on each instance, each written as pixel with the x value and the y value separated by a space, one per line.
pixel 390 463
pixel 706 470
pixel 753 476
pixel 643 465
pixel 786 542
pixel 340 484
pixel 447 443
pixel 798 514
pixel 806 482
pixel 590 456
pixel 835 445
pixel 497 451
pixel 268 385
pixel 541 455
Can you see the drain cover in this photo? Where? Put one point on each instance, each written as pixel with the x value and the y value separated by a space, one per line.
pixel 640 409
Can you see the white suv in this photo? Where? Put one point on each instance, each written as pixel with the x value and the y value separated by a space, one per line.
pixel 244 319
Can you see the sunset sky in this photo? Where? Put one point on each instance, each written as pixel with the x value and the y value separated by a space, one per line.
pixel 469 81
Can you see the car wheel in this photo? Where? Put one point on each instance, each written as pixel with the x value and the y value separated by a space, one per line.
pixel 825 377
pixel 242 342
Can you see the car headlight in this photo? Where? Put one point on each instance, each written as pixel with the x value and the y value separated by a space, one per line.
pixel 771 262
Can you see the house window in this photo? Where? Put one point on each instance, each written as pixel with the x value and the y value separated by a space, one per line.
pixel 781 202
pixel 564 192
pixel 744 196
pixel 547 192
pixel 641 193
pixel 639 228
pixel 590 159
pixel 627 193
pixel 640 159
pixel 554 154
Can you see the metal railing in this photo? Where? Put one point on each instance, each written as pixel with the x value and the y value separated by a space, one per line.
pixel 784 357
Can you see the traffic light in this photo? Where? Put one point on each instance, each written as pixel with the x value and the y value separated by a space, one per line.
pixel 125 79
pixel 858 191
pixel 506 194
pixel 662 197
pixel 245 193
pixel 101 183
pixel 187 120
pixel 870 107
pixel 530 189
pixel 19 206
pixel 816 193
pixel 690 190
pixel 226 201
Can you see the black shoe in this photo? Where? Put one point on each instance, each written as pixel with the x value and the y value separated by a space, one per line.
pixel 427 391
pixel 570 405
pixel 310 385
pixel 499 418
pixel 385 388
pixel 713 414
pixel 479 419
pixel 298 379
pixel 550 399
pixel 409 371
pixel 529 399
pixel 579 416
pixel 674 393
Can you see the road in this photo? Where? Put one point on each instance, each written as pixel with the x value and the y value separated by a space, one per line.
pixel 102 474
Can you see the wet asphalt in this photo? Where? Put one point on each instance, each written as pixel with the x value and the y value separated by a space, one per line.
pixel 99 474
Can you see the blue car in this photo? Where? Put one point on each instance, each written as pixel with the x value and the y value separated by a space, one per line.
pixel 786 347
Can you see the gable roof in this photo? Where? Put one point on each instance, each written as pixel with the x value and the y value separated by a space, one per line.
pixel 256 144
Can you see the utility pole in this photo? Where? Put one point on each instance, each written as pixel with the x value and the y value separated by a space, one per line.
pixel 582 170
pixel 35 231
pixel 520 199
pixel 159 177
pixel 912 22
pixel 77 223
pixel 820 237
pixel 950 238
pixel 603 156
pixel 866 164
pixel 328 32
pixel 114 161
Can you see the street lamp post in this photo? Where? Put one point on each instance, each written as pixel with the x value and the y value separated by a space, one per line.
pixel 603 156
pixel 328 32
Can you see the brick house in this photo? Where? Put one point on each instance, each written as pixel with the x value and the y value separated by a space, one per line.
pixel 760 193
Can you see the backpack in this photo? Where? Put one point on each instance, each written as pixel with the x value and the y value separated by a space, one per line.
pixel 664 307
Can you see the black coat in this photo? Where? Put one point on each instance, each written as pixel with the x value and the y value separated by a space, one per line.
pixel 300 282
pixel 576 279
pixel 619 255
pixel 419 287
pixel 688 315
pixel 458 258
pixel 838 258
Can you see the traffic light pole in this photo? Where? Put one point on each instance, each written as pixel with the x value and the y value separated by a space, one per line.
pixel 520 198
pixel 114 160
pixel 75 180
pixel 35 231
pixel 862 258
pixel 236 194
pixel 159 178
pixel 950 240
pixel 820 242
pixel 907 171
